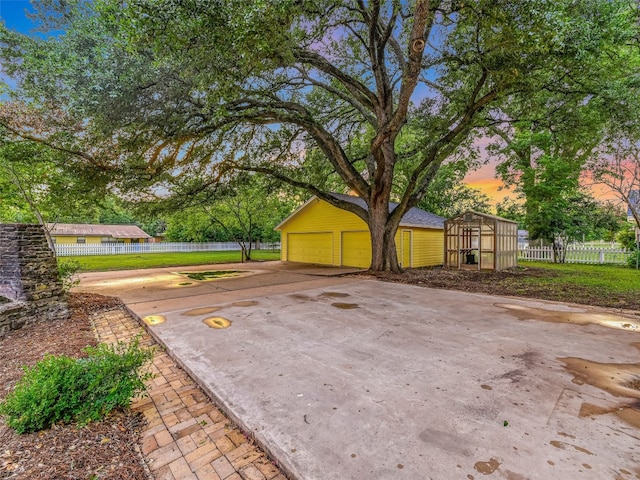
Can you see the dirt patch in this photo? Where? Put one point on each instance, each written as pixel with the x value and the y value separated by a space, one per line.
pixel 106 449
pixel 518 282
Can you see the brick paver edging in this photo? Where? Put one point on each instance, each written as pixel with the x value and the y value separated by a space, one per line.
pixel 186 437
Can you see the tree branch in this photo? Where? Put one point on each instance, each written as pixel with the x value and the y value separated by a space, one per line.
pixel 355 87
pixel 75 153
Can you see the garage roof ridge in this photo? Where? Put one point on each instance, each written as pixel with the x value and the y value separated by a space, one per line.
pixel 414 217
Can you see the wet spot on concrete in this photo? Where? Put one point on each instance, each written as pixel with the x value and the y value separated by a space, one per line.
pixel 217 322
pixel 513 375
pixel 201 311
pixel 619 379
pixel 245 303
pixel 154 319
pixel 509 475
pixel 530 358
pixel 334 294
pixel 609 320
pixel 629 414
pixel 302 297
pixel 486 387
pixel 345 306
pixel 444 440
pixel 564 445
pixel 634 383
pixel 487 468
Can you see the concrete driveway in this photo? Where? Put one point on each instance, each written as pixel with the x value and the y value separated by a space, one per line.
pixel 348 378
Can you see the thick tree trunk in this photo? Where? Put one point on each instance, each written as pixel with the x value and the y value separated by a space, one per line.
pixel 384 257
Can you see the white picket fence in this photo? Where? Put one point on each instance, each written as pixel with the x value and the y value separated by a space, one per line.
pixel 63 250
pixel 576 255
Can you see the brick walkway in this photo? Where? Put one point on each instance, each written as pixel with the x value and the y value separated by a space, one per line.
pixel 186 437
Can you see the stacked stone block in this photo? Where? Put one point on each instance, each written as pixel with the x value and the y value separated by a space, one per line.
pixel 29 284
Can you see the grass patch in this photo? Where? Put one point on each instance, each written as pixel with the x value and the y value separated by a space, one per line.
pixel 210 275
pixel 103 263
pixel 608 278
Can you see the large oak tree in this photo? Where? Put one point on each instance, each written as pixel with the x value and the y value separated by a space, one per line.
pixel 203 87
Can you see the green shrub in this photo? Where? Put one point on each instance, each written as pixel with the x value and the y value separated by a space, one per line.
pixel 67 270
pixel 632 259
pixel 64 389
pixel 627 238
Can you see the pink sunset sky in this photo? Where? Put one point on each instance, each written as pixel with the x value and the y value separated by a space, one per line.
pixel 484 179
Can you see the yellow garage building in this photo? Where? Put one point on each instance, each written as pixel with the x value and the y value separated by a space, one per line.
pixel 318 232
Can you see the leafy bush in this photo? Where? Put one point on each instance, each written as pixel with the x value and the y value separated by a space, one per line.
pixel 65 389
pixel 627 238
pixel 632 259
pixel 67 270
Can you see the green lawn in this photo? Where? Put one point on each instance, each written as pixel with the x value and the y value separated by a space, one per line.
pixel 598 285
pixel 102 263
pixel 612 278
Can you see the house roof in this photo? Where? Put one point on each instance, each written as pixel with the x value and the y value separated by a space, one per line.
pixel 483 215
pixel 413 218
pixel 88 230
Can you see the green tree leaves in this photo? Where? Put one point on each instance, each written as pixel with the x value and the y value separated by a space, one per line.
pixel 166 89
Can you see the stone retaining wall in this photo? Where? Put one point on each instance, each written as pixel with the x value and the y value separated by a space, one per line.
pixel 28 278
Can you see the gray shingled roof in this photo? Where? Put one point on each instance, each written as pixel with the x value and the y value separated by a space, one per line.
pixel 414 217
pixel 88 230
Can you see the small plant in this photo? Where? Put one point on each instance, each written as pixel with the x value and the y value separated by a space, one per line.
pixel 634 259
pixel 64 389
pixel 67 270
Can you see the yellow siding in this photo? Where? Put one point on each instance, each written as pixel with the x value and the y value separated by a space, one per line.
pixel 64 240
pixel 71 240
pixel 356 249
pixel 405 247
pixel 348 233
pixel 428 247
